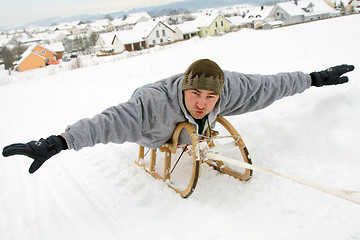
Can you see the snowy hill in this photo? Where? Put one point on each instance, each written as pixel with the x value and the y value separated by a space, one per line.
pixel 99 193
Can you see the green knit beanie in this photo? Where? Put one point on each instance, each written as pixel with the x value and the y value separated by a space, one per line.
pixel 204 74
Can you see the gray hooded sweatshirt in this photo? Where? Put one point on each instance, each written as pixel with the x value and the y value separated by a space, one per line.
pixel 151 115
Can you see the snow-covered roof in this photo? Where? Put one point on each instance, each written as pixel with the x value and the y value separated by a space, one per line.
pixel 187 27
pixel 28 52
pixel 31 48
pixel 238 20
pixel 133 18
pixel 55 47
pixel 259 12
pixel 318 6
pixel 129 36
pixel 321 7
pixel 107 37
pixel 274 23
pixel 145 28
pixel 205 20
pixel 119 22
pixel 82 26
pixel 101 23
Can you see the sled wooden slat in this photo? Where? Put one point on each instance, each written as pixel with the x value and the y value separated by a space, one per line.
pixel 219 165
pixel 171 148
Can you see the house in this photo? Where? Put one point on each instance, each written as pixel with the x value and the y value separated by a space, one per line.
pixel 238 22
pixel 131 40
pixel 186 31
pixel 257 15
pixel 104 24
pixel 81 29
pixel 108 44
pixel 120 24
pixel 270 25
pixel 353 6
pixel 134 18
pixel 299 11
pixel 154 32
pixel 57 48
pixel 212 25
pixel 34 57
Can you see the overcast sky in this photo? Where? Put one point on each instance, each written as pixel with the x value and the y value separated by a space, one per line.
pixel 19 12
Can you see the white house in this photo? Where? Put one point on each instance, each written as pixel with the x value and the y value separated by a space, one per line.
pixel 108 43
pixel 155 32
pixel 186 31
pixel 80 29
pixel 104 24
pixel 135 18
pixel 120 24
pixel 299 11
pixel 257 15
pixel 131 40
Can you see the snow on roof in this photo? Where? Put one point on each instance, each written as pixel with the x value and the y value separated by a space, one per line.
pixel 274 23
pixel 259 11
pixel 206 20
pixel 129 36
pixel 101 23
pixel 134 17
pixel 119 22
pixel 107 37
pixel 321 7
pixel 27 53
pixel 145 28
pixel 318 6
pixel 291 8
pixel 238 20
pixel 29 50
pixel 187 27
pixel 55 47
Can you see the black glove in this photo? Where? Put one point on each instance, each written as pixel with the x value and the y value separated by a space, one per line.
pixel 331 76
pixel 40 150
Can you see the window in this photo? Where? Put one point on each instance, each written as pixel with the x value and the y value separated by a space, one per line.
pixel 216 24
pixel 161 40
pixel 222 23
pixel 36 52
pixel 43 52
pixel 157 33
pixel 154 42
pixel 163 33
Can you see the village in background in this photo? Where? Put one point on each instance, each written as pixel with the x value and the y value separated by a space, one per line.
pixel 43 46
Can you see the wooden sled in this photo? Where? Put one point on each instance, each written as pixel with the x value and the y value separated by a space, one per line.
pixel 196 155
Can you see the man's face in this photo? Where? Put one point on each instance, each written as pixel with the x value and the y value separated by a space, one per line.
pixel 200 102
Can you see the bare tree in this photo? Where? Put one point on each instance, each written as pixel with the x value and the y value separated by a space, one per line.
pixel 8 58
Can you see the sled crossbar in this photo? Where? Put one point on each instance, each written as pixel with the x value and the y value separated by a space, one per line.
pixel 195 152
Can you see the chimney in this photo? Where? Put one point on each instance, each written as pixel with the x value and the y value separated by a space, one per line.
pixel 296 2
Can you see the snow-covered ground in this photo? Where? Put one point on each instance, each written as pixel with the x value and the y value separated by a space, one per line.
pixel 99 193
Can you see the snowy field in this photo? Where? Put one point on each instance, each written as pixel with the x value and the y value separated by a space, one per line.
pixel 99 193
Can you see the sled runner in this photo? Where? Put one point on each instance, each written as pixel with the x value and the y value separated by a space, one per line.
pixel 211 142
